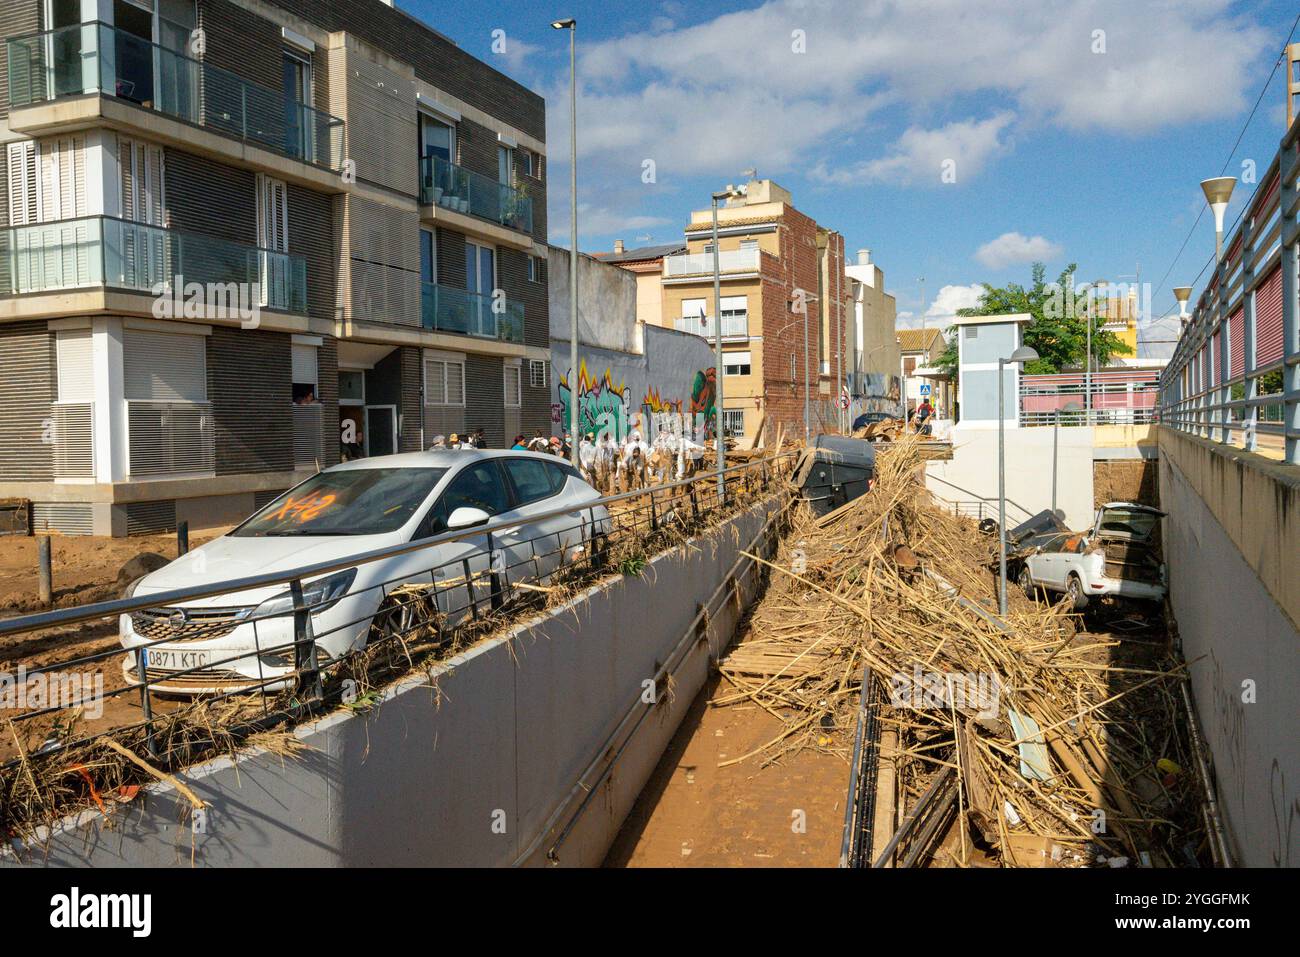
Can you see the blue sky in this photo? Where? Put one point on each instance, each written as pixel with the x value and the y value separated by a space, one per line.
pixel 1078 130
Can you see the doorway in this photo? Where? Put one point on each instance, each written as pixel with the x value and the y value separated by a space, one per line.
pixel 381 430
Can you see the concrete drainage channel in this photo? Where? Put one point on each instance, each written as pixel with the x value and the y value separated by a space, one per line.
pixel 528 749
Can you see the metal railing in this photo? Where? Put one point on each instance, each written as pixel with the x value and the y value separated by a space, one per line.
pixel 443 183
pixel 446 309
pixel 282 665
pixel 694 264
pixel 1110 398
pixel 1235 374
pixel 733 326
pixel 97 58
pixel 120 254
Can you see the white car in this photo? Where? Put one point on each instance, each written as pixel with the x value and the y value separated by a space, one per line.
pixel 235 641
pixel 1117 557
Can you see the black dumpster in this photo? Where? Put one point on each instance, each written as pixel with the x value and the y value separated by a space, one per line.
pixel 837 470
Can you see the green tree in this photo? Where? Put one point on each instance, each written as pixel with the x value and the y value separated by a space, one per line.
pixel 1058 328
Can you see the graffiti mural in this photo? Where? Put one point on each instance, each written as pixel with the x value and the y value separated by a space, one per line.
pixel 606 405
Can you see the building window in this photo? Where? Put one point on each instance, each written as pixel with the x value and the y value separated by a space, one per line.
pixel 792 377
pixel 352 386
pixel 535 267
pixel 513 390
pixel 428 257
pixel 537 373
pixel 169 420
pixel 909 365
pixel 749 244
pixel 972 332
pixel 444 381
pixel 524 161
pixel 733 421
pixel 735 315
pixel 736 363
pixel 436 138
pixel 306 390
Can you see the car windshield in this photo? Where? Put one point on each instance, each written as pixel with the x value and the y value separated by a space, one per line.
pixel 1130 522
pixel 346 502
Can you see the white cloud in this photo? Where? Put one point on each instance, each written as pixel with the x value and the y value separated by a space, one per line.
pixel 600 221
pixel 705 95
pixel 1009 249
pixel 923 156
pixel 950 299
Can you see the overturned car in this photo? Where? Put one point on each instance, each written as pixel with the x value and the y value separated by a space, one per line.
pixel 1118 557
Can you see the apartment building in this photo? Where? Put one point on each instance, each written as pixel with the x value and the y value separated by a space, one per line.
pixel 784 306
pixel 243 239
pixel 874 353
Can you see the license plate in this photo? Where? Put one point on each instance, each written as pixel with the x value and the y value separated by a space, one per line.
pixel 165 660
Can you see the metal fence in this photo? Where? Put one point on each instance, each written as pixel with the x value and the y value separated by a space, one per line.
pixel 1104 398
pixel 438 600
pixel 1235 373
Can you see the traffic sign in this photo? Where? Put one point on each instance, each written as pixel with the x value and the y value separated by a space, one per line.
pixel 925 388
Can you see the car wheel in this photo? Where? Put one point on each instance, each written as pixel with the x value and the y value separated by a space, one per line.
pixel 1027 583
pixel 1074 590
pixel 599 550
pixel 405 616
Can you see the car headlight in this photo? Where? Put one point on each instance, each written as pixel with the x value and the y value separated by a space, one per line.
pixel 130 589
pixel 316 596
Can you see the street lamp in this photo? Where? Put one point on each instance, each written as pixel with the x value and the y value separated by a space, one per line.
pixel 571 25
pixel 1019 357
pixel 1217 193
pixel 1182 294
pixel 731 192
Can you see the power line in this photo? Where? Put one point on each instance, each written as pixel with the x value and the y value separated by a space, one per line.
pixel 1267 83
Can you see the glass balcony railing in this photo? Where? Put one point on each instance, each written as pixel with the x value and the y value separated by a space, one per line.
pixel 96 58
pixel 456 188
pixel 444 309
pixel 115 253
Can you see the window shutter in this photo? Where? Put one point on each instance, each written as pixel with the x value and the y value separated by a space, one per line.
pixel 273 214
pixel 23 204
pixel 63 178
pixel 435 382
pixel 164 366
pixel 455 383
pixel 76 369
pixel 304 365
pixel 512 386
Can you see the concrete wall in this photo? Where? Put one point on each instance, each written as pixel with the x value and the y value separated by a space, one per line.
pixel 1232 540
pixel 472 766
pixel 674 373
pixel 607 299
pixel 974 467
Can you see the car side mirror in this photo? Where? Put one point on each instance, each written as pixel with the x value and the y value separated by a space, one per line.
pixel 466 517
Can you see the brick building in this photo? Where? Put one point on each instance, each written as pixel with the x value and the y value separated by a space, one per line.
pixel 243 238
pixel 784 309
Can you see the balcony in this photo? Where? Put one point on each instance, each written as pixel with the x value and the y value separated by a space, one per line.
pixel 734 326
pixel 101 251
pixel 445 185
pixel 444 309
pixel 701 264
pixel 95 58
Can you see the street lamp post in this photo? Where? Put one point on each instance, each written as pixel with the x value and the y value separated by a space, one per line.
pixel 1217 193
pixel 1019 357
pixel 571 25
pixel 719 438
